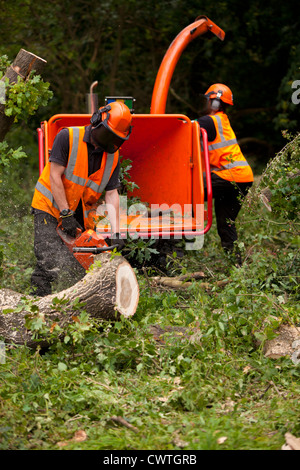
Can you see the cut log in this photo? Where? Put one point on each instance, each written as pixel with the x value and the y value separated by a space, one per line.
pixel 24 63
pixel 292 442
pixel 108 291
pixel 287 343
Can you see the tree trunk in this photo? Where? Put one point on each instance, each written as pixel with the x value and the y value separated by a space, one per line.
pixel 23 64
pixel 109 290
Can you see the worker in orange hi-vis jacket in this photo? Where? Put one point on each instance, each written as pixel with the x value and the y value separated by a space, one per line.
pixel 84 161
pixel 231 174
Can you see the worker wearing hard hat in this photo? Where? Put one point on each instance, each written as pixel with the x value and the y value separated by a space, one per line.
pixel 231 174
pixel 84 162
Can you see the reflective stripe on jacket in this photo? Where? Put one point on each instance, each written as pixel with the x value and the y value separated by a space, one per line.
pixel 225 156
pixel 77 184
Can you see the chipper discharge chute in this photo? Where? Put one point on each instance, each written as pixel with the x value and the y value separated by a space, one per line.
pixel 167 164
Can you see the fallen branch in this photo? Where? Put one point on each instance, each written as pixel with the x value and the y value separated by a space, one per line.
pixel 196 275
pixel 171 282
pixel 108 291
pixel 180 282
pixel 124 422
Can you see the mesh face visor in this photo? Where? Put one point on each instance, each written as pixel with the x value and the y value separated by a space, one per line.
pixel 107 139
pixel 104 136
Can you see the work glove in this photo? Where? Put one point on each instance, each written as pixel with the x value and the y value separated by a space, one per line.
pixel 116 239
pixel 69 224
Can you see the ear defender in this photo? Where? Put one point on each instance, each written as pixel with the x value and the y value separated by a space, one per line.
pixel 215 104
pixel 96 118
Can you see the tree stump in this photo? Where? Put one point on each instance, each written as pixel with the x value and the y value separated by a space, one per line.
pixel 286 343
pixel 109 290
pixel 21 67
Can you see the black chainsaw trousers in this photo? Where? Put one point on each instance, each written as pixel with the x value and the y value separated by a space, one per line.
pixel 228 198
pixel 54 261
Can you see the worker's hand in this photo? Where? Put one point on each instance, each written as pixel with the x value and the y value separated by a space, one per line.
pixel 70 224
pixel 116 239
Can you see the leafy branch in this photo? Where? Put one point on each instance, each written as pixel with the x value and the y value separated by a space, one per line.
pixel 25 97
pixel 19 100
pixel 7 154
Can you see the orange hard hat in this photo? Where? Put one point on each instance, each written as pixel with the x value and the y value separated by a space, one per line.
pixel 119 118
pixel 218 90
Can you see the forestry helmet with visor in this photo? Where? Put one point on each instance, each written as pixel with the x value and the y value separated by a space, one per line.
pixel 111 126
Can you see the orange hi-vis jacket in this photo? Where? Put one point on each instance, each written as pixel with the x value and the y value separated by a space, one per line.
pixel 78 185
pixel 225 156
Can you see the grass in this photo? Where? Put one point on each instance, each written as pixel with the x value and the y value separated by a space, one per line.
pixel 211 391
pixel 43 404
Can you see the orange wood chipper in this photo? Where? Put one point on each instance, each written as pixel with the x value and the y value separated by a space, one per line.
pixel 168 153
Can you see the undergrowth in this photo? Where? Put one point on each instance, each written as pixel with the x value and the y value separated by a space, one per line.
pixel 205 383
